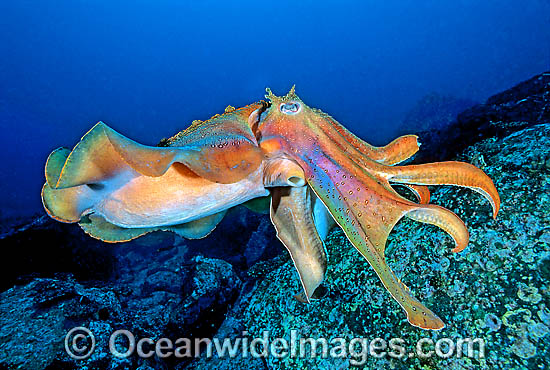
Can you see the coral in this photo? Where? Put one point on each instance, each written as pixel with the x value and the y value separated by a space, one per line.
pixel 529 293
pixel 524 348
pixel 492 322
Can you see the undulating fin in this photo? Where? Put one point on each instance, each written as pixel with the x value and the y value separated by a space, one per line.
pixel 91 161
pixel 63 205
pixel 222 149
pixel 227 155
pixel 446 220
pixel 259 205
pixel 131 200
pixel 98 228
pixel 146 160
pixel 367 211
pixel 291 214
pixel 197 229
pixel 446 173
pixel 421 192
pixel 66 205
pixel 54 165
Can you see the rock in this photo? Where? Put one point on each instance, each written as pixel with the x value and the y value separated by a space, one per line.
pixel 42 247
pixel 262 244
pixel 433 112
pixel 524 105
pixel 357 306
pixel 48 308
pixel 167 299
pixel 242 238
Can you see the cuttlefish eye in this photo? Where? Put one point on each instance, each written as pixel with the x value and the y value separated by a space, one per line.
pixel 292 107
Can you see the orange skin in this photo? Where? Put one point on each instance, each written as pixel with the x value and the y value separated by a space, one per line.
pixel 316 171
pixel 356 190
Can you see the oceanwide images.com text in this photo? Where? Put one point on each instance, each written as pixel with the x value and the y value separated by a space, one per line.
pixel 80 344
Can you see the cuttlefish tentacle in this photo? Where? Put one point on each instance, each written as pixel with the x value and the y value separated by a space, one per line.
pixel 366 211
pixel 311 170
pixel 291 214
pixel 357 192
pixel 421 192
pixel 444 219
pixel 446 173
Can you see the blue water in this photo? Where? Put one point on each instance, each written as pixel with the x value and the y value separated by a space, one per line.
pixel 149 68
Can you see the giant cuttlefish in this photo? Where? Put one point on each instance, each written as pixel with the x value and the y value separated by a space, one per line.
pixel 307 170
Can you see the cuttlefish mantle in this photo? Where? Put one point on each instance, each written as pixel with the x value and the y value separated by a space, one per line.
pixel 279 157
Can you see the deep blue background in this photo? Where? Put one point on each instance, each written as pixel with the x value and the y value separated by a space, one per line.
pixel 149 68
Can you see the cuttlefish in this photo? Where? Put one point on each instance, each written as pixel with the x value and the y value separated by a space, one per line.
pixel 278 156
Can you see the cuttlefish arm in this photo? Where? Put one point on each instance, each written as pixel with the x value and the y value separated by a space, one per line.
pixel 421 192
pixel 300 222
pixel 357 193
pixel 446 173
pixel 118 189
pixel 399 150
pixel 367 212
pixel 292 216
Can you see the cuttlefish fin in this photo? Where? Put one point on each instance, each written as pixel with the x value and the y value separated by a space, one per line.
pixel 97 227
pixel 259 205
pixel 291 214
pixel 198 229
pixel 64 205
pixel 367 212
pixel 447 173
pixel 54 165
pixel 102 152
pixel 91 161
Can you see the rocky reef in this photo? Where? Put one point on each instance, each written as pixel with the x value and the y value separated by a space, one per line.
pixel 55 278
pixel 239 283
pixel 524 105
pixel 498 289
pixel 433 112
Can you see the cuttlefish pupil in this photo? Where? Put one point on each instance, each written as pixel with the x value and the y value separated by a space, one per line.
pixel 290 108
